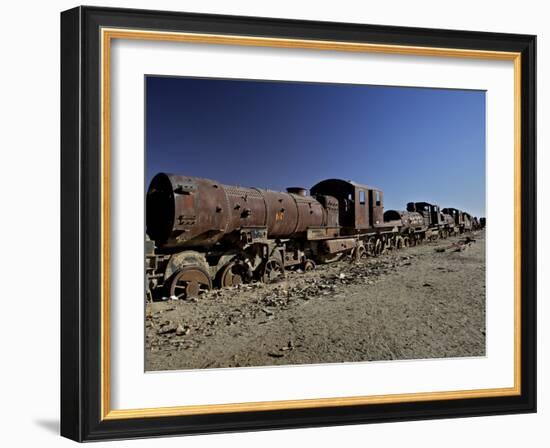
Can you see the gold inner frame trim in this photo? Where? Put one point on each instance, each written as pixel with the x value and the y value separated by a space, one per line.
pixel 107 35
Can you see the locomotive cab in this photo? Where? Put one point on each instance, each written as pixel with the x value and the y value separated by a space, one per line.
pixel 360 207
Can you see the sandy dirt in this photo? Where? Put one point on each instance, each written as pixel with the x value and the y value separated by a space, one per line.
pixel 419 302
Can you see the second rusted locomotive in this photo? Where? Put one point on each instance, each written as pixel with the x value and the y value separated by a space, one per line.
pixel 202 233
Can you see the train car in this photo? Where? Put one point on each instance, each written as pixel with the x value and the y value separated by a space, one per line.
pixel 449 226
pixel 411 225
pixel 433 219
pixel 360 207
pixel 468 221
pixel 207 233
pixel 458 217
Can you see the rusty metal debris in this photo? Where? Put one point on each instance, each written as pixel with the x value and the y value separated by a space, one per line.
pixel 459 246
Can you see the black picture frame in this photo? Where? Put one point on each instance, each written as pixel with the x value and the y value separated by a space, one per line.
pixel 81 224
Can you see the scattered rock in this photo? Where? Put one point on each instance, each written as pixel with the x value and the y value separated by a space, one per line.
pixel 181 330
pixel 167 329
pixel 289 346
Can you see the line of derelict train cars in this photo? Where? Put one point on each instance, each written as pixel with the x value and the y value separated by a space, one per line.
pixel 203 234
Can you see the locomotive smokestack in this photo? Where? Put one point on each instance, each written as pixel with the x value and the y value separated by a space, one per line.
pixel 300 191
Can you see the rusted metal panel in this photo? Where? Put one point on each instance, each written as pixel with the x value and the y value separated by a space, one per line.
pixel 246 207
pixel 404 220
pixel 322 233
pixel 361 208
pixel 339 245
pixel 310 213
pixel 330 210
pixel 376 205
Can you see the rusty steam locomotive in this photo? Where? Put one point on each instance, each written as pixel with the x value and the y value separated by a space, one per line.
pixel 202 233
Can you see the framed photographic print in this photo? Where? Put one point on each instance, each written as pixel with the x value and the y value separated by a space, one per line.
pixel 275 224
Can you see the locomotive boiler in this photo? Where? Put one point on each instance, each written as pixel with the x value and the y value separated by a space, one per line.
pixel 187 212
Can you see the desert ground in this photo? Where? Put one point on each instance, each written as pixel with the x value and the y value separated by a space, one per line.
pixel 420 302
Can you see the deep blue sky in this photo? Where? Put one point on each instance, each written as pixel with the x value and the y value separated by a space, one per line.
pixel 415 144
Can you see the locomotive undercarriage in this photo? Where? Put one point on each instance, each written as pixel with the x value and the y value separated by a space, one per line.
pixel 186 274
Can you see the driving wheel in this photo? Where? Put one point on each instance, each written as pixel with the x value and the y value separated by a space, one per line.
pixel 272 271
pixel 231 275
pixel 189 282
